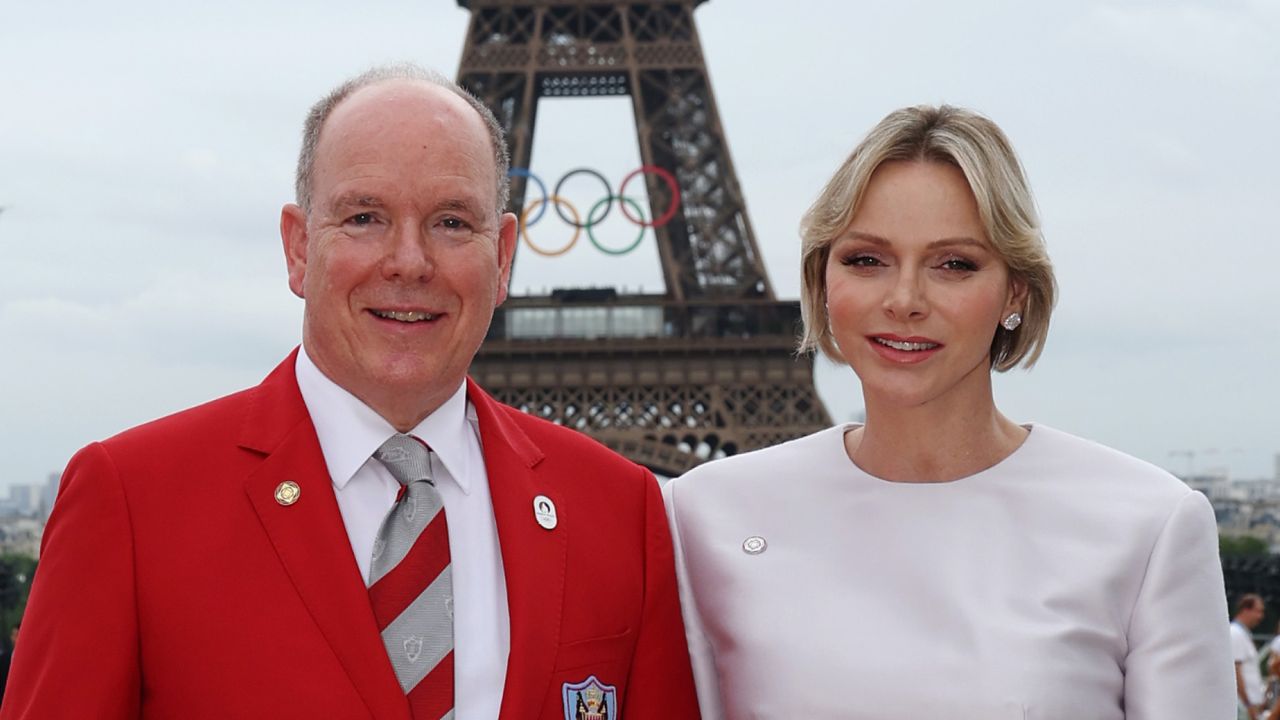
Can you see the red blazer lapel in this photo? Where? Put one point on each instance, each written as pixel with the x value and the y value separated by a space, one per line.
pixel 310 539
pixel 533 558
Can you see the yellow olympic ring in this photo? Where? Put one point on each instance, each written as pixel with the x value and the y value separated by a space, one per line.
pixel 524 229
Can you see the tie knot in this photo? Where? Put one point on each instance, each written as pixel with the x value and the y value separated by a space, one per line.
pixel 406 457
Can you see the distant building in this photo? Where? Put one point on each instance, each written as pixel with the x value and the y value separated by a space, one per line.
pixel 31 500
pixel 21 536
pixel 1215 486
pixel 23 514
pixel 24 499
pixel 48 494
pixel 1243 507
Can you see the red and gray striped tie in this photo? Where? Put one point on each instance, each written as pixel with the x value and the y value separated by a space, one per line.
pixel 410 584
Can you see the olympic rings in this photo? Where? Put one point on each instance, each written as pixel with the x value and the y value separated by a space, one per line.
pixel 605 204
pixel 524 227
pixel 669 179
pixel 524 172
pixel 591 219
pixel 592 236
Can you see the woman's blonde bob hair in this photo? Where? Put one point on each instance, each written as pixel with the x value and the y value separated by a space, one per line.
pixel 975 145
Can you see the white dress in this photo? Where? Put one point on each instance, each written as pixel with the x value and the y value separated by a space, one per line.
pixel 1070 581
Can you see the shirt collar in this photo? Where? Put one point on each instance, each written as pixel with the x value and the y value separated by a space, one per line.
pixel 350 431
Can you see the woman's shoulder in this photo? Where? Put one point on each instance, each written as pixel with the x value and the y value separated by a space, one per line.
pixel 1054 455
pixel 743 488
pixel 765 465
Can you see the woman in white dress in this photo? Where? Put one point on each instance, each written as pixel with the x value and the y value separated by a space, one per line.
pixel 941 561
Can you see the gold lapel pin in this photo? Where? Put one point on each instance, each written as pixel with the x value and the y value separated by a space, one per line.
pixel 287 493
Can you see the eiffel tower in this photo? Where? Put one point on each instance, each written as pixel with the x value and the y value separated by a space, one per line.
pixel 705 370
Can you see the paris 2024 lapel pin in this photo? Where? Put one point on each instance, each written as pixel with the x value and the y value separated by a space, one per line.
pixel 590 700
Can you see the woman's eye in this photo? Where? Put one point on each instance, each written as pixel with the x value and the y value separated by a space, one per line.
pixel 861 261
pixel 959 264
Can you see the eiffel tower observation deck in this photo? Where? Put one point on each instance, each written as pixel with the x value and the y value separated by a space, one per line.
pixel 704 370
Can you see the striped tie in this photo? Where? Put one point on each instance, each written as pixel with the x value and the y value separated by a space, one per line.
pixel 410 584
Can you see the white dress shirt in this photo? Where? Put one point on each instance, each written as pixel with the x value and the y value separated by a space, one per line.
pixel 1245 654
pixel 349 432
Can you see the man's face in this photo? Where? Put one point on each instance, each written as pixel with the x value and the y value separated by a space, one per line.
pixel 1254 615
pixel 403 256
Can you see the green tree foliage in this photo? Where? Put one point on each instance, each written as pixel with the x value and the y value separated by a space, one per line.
pixel 1242 545
pixel 15 582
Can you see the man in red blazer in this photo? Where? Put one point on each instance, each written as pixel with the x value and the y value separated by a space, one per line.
pixel 215 563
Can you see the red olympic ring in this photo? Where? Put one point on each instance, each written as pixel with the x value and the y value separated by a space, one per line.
pixel 667 177
pixel 577 222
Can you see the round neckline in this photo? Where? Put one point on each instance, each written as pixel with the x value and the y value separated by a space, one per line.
pixel 1033 431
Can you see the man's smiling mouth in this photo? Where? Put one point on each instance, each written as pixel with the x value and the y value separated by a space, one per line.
pixel 408 316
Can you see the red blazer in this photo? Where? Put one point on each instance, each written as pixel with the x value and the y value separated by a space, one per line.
pixel 172 584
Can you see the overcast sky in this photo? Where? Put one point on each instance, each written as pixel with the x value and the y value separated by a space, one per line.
pixel 146 148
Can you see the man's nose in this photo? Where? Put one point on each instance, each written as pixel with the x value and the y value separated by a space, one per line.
pixel 408 254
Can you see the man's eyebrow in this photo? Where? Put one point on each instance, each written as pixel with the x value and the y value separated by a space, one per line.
pixel 460 204
pixel 357 200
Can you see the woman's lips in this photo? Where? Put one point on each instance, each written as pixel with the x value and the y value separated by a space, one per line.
pixel 904 350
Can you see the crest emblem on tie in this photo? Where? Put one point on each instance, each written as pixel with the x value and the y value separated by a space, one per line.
pixel 393 454
pixel 412 648
pixel 590 700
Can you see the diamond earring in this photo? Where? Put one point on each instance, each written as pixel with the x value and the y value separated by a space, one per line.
pixel 1012 322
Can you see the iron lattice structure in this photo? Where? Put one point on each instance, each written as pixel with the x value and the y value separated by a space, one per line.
pixel 705 370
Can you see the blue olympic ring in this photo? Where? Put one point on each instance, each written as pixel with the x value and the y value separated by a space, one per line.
pixel 524 172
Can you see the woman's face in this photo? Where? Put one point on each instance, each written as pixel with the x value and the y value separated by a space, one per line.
pixel 915 290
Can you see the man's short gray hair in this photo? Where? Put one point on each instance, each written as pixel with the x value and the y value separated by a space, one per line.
pixel 399 71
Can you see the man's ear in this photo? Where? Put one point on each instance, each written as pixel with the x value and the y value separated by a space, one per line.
pixel 293 233
pixel 507 226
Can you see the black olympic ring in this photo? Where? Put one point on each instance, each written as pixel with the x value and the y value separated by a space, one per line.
pixel 608 193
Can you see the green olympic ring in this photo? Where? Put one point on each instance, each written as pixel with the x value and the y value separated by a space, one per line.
pixel 592 236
